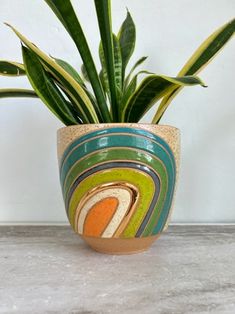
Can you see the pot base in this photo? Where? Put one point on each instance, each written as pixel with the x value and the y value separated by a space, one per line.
pixel 118 246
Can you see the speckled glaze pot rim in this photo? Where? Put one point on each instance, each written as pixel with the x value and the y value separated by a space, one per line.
pixel 66 134
pixel 165 126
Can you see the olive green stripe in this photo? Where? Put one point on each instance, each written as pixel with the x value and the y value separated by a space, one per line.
pixel 107 155
pixel 137 218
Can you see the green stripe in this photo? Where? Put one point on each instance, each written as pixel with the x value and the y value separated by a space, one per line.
pixel 104 155
pixel 111 131
pixel 117 140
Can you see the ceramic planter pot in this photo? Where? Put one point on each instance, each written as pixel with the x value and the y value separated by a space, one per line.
pixel 118 182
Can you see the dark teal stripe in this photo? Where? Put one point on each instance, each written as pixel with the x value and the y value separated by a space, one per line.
pixel 113 131
pixel 160 223
pixel 101 132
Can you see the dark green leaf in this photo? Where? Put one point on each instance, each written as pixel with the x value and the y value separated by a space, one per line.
pixel 127 38
pixel 76 91
pixel 68 68
pixel 103 11
pixel 45 88
pixel 65 12
pixel 131 87
pixel 10 68
pixel 117 66
pixel 209 48
pixel 17 92
pixel 202 56
pixel 153 88
pixel 105 83
pixel 139 62
pixel 117 62
pixel 84 73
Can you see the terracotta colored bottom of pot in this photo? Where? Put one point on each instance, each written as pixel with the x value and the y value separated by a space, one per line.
pixel 117 246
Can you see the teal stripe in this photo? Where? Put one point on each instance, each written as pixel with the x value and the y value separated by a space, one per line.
pixel 113 131
pixel 160 223
pixel 118 141
pixel 161 220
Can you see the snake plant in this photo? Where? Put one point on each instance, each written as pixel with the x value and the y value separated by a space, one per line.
pixel 112 94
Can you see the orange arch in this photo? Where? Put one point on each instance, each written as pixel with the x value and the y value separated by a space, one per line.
pixel 99 216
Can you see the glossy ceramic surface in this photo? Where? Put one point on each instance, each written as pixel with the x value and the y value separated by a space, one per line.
pixel 118 181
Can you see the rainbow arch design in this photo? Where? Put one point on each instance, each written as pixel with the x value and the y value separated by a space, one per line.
pixel 118 182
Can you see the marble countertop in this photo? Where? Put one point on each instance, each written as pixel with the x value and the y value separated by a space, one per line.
pixel 48 269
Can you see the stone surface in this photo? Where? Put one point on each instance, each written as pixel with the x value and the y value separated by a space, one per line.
pixel 190 269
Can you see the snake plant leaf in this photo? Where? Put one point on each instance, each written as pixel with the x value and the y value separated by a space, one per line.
pixel 76 91
pixel 117 65
pixel 17 92
pixel 72 105
pixel 201 57
pixel 10 68
pixel 104 84
pixel 67 16
pixel 131 87
pixel 117 62
pixel 151 89
pixel 84 73
pixel 127 39
pixel 208 49
pixel 103 12
pixel 138 63
pixel 103 73
pixel 68 68
pixel 164 104
pixel 45 87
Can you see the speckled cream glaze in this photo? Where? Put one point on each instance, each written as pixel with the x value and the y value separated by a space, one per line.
pixel 77 207
pixel 170 134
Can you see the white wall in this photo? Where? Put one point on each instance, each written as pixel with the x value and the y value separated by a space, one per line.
pixel 168 32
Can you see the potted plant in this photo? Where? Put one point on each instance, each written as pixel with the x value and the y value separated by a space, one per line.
pixel 117 175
